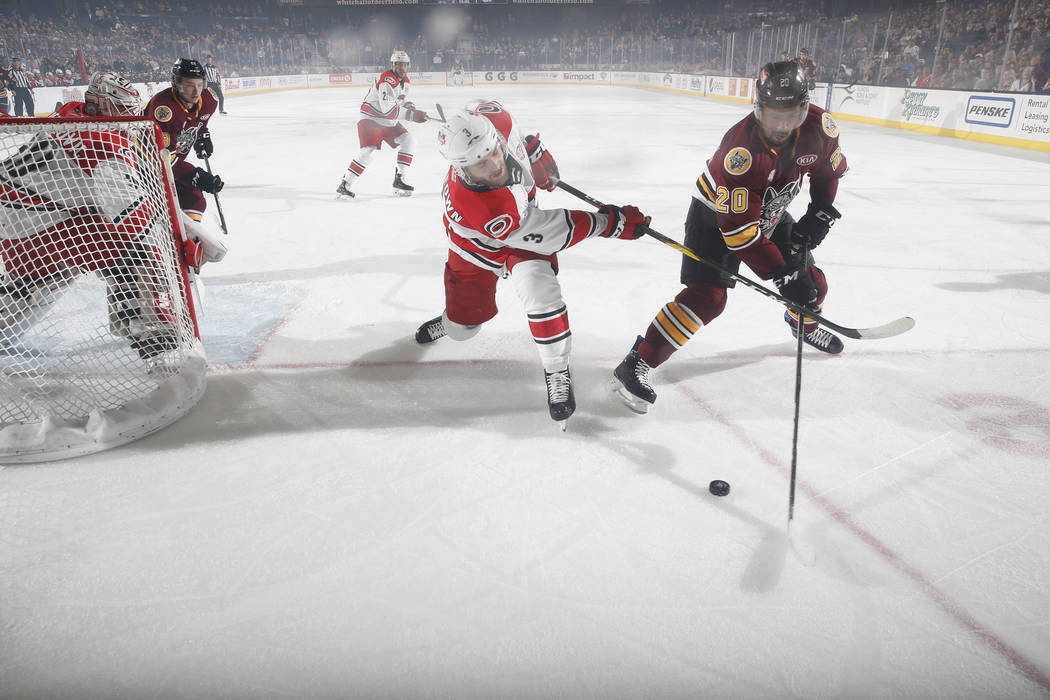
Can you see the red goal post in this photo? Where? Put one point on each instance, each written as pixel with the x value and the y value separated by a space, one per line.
pixel 99 343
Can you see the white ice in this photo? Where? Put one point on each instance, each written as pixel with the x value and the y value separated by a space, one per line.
pixel 347 514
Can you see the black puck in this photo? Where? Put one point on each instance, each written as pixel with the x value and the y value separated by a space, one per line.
pixel 719 487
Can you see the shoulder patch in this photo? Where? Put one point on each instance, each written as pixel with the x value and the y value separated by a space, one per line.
pixel 829 125
pixel 499 226
pixel 162 113
pixel 737 161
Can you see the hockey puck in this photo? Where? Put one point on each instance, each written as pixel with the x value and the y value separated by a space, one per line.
pixel 718 487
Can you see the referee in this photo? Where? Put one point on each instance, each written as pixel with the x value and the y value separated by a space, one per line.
pixel 214 81
pixel 5 78
pixel 22 88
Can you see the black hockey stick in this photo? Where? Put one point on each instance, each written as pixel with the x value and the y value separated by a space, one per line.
pixel 440 117
pixel 218 205
pixel 887 330
pixel 802 549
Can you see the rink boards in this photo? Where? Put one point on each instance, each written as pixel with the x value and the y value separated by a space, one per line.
pixel 1008 119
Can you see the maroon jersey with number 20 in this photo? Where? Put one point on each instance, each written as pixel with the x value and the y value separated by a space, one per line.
pixel 749 184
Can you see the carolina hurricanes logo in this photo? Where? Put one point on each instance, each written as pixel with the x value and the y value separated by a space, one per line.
pixel 774 203
pixel 488 108
pixel 441 138
pixel 498 227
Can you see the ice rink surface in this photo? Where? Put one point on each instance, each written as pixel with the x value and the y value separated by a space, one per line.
pixel 347 514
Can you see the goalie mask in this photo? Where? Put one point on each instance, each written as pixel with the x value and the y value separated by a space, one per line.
pixel 111 96
pixel 476 151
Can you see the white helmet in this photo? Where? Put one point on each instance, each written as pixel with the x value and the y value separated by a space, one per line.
pixel 113 94
pixel 399 56
pixel 465 139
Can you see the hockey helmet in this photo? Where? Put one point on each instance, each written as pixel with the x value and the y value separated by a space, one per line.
pixel 186 68
pixel 399 56
pixel 113 95
pixel 781 99
pixel 465 139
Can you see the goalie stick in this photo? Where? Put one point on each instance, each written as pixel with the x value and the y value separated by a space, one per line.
pixel 886 330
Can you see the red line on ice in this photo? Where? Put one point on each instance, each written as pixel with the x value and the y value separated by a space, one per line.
pixel 952 608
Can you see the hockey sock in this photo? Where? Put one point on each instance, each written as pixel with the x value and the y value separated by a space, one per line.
pixel 403 161
pixel 694 307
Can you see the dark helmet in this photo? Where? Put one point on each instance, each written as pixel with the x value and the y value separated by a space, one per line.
pixel 781 85
pixel 186 68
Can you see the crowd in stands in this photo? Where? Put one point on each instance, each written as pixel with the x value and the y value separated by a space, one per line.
pixel 981 45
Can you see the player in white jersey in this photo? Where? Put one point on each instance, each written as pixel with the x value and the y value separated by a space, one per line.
pixel 74 202
pixel 495 229
pixel 385 104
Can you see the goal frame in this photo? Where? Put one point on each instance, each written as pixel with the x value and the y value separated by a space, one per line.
pixel 177 389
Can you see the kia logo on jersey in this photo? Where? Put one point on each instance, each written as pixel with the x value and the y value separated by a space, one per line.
pixel 805 160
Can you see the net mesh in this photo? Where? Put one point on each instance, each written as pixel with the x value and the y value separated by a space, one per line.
pixel 94 312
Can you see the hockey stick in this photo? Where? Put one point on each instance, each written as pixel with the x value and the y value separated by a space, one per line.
pixel 441 115
pixel 218 205
pixel 887 330
pixel 804 551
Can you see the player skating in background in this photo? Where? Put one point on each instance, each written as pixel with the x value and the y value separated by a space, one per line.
pixel 385 104
pixel 182 111
pixel 93 217
pixel 495 229
pixel 739 212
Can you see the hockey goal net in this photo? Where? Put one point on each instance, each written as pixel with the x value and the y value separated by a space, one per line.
pixel 459 77
pixel 98 337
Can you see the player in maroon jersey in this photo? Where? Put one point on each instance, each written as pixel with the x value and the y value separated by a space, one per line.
pixel 183 111
pixel 739 212
pixel 385 103
pixel 495 229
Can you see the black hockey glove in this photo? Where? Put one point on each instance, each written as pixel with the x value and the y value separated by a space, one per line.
pixel 203 180
pixel 814 225
pixel 203 145
pixel 794 283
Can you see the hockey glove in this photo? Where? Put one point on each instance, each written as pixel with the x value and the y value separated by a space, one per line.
pixel 814 225
pixel 626 222
pixel 794 283
pixel 203 180
pixel 203 146
pixel 414 115
pixel 544 169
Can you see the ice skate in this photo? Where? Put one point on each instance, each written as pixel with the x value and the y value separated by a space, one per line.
pixel 431 331
pixel 150 345
pixel 344 191
pixel 822 340
pixel 631 381
pixel 560 397
pixel 401 188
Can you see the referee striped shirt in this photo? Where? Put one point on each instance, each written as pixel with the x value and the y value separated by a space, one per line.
pixel 213 73
pixel 20 78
